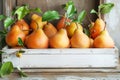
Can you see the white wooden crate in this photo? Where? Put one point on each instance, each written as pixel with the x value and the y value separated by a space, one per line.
pixel 64 58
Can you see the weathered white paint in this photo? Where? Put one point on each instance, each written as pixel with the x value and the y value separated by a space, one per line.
pixel 113 22
pixel 63 58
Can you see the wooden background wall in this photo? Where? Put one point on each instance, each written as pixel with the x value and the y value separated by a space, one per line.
pixel 56 5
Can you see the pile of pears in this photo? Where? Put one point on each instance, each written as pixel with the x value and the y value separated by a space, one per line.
pixel 100 35
pixel 45 35
pixel 67 33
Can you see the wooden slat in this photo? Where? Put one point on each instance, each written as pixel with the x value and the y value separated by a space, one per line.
pixel 63 58
pixel 56 76
pixel 8 6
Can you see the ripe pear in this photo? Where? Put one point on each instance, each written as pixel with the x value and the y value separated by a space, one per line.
pixel 60 40
pixel 103 40
pixel 37 39
pixel 80 39
pixel 72 27
pixel 13 35
pixel 37 22
pixel 49 30
pixel 62 23
pixel 35 16
pixel 97 28
pixel 23 26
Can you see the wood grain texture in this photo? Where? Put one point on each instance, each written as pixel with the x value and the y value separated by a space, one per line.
pixel 8 6
pixel 58 76
pixel 56 5
pixel 64 58
pixel 1 7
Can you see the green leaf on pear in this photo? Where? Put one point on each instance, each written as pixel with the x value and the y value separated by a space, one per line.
pixel 20 42
pixel 105 7
pixel 93 12
pixel 81 16
pixel 8 22
pixel 50 15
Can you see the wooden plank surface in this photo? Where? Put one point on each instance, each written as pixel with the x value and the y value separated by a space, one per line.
pixel 56 76
pixel 64 58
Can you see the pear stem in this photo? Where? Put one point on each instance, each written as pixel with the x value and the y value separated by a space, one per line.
pixel 76 25
pixel 37 25
pixel 104 26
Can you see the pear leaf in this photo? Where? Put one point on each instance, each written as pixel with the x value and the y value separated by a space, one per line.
pixel 22 11
pixel 50 15
pixel 86 31
pixel 2 17
pixel 65 6
pixel 3 32
pixel 20 42
pixel 81 16
pixel 2 41
pixel 21 73
pixel 38 10
pixel 71 11
pixel 93 11
pixel 6 68
pixel 21 51
pixel 106 7
pixel 1 52
pixel 8 22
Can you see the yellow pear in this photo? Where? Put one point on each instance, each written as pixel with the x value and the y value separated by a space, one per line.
pixel 60 39
pixel 37 39
pixel 72 27
pixel 103 40
pixel 80 39
pixel 97 28
pixel 49 30
pixel 13 35
pixel 37 22
pixel 35 16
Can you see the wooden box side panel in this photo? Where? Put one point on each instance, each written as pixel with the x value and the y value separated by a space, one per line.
pixel 64 58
